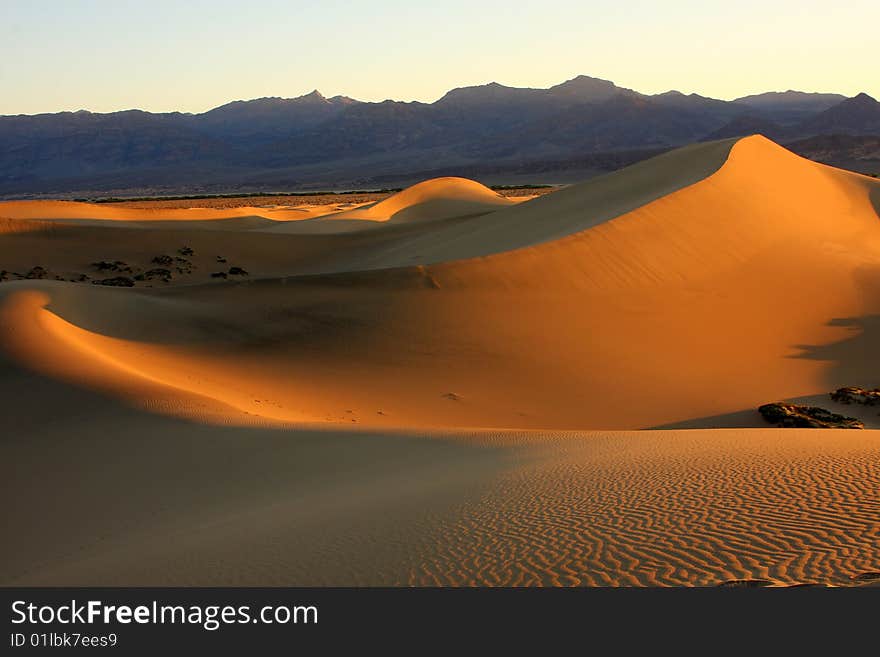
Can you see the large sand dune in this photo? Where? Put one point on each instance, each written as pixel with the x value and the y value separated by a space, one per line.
pixel 685 290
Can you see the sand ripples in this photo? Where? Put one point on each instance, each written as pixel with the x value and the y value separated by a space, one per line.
pixel 678 509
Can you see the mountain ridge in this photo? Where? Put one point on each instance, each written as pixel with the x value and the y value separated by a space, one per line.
pixel 313 137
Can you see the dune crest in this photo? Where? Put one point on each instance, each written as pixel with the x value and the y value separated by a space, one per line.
pixel 389 405
pixel 657 305
pixel 431 200
pixel 437 198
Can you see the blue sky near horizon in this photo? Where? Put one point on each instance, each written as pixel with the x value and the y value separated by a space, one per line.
pixel 162 55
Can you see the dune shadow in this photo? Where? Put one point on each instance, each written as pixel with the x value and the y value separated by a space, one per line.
pixel 874 197
pixel 738 419
pixel 208 503
pixel 854 359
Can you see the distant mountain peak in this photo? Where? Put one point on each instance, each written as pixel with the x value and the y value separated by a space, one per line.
pixel 483 92
pixel 345 100
pixel 857 115
pixel 584 79
pixel 791 96
pixel 861 101
pixel 487 125
pixel 314 97
pixel 584 88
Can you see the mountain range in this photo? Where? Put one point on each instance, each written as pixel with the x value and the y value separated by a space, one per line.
pixel 313 141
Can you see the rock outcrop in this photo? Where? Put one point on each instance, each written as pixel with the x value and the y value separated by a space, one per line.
pixel 162 274
pixel 853 395
pixel 112 265
pixel 118 281
pixel 808 417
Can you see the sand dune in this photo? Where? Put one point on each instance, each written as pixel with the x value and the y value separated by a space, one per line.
pixel 434 199
pixel 693 286
pixel 194 504
pixel 627 323
pixel 430 200
pixel 101 212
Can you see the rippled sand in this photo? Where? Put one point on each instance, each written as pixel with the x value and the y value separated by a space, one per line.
pixel 125 497
pixel 447 387
pixel 692 508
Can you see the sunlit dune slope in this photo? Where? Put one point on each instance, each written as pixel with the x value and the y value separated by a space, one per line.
pixel 431 200
pixel 437 198
pixel 410 203
pixel 240 218
pixel 454 218
pixel 543 219
pixel 312 241
pixel 753 283
pixel 357 411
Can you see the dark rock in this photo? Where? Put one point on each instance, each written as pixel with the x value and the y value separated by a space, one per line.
pixel 237 271
pixel 163 260
pixel 183 266
pixel 186 251
pixel 37 273
pixel 219 274
pixel 119 281
pixel 853 395
pixel 162 274
pixel 112 265
pixel 221 259
pixel 807 417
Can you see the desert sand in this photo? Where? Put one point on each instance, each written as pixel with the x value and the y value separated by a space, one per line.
pixel 449 386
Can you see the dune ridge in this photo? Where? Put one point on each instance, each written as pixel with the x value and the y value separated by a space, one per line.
pixel 455 396
pixel 694 277
pixel 433 199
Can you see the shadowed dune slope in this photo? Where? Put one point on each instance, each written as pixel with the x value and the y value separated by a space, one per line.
pixel 220 506
pixel 711 299
pixel 357 411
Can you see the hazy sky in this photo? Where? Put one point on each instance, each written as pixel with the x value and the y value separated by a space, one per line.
pixel 192 55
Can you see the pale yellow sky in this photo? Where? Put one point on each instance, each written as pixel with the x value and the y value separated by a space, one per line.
pixel 107 55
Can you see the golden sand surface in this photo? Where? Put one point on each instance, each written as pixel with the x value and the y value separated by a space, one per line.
pixel 447 386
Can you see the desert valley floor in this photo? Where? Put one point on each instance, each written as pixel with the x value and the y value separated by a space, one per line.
pixel 448 386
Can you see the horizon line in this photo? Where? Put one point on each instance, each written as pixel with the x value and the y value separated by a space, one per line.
pixel 393 100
